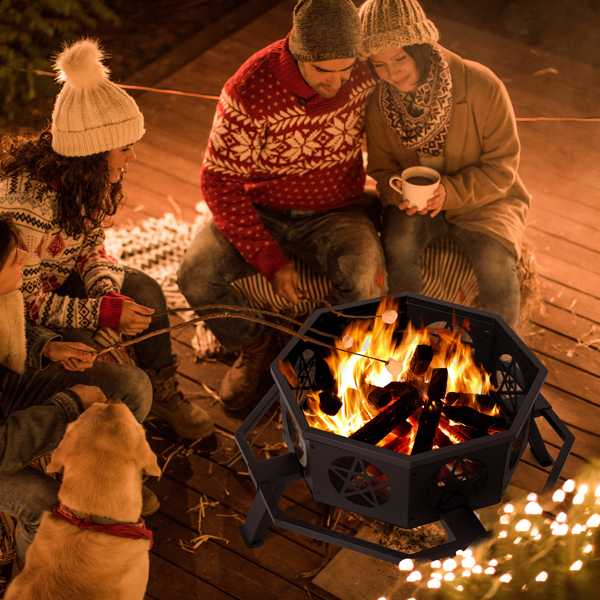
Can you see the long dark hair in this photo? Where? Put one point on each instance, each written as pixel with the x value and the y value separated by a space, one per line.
pixel 9 237
pixel 420 53
pixel 84 192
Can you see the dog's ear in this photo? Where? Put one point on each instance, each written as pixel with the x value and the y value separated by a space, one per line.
pixel 146 459
pixel 59 456
pixel 57 463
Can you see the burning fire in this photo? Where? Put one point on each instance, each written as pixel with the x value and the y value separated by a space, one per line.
pixel 355 377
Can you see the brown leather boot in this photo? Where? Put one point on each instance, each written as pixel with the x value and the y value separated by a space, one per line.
pixel 239 386
pixel 185 417
pixel 150 502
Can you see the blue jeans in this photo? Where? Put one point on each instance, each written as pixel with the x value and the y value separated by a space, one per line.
pixel 341 244
pixel 27 493
pixel 153 353
pixel 405 239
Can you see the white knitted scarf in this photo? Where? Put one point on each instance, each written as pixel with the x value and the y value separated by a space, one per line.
pixel 13 350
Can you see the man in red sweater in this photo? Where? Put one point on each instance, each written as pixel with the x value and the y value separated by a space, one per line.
pixel 283 176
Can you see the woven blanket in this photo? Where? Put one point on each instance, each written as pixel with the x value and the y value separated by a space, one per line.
pixel 156 246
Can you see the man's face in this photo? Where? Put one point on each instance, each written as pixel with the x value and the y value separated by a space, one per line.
pixel 327 76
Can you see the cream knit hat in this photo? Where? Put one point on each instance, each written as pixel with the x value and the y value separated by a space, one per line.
pixel 325 30
pixel 394 24
pixel 91 113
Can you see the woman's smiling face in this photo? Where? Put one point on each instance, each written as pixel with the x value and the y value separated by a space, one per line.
pixel 118 159
pixel 396 67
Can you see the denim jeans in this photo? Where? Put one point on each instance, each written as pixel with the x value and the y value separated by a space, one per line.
pixel 153 353
pixel 341 244
pixel 26 492
pixel 405 239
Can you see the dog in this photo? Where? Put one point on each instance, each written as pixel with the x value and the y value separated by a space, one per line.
pixel 102 457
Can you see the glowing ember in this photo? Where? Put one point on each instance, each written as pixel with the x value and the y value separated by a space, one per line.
pixel 410 360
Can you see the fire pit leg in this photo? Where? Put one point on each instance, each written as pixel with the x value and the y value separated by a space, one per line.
pixel 258 520
pixel 276 472
pixel 543 409
pixel 463 526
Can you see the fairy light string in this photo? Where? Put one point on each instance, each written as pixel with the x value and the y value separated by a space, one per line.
pixel 211 97
pixel 543 547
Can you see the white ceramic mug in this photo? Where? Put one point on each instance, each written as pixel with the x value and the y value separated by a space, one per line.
pixel 417 192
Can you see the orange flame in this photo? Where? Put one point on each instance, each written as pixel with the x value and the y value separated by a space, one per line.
pixel 355 375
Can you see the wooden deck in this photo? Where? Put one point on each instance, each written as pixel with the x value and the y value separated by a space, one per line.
pixel 561 168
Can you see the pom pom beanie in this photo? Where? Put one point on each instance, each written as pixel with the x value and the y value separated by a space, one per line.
pixel 91 113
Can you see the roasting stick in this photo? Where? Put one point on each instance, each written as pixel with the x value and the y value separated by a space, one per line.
pixel 224 315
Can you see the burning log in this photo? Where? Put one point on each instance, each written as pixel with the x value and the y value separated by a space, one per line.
pixel 329 403
pixel 430 416
pixel 455 434
pixel 480 421
pixel 399 439
pixel 421 359
pixel 390 418
pixel 462 399
pixel 379 397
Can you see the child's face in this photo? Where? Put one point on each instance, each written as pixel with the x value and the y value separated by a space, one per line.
pixel 11 274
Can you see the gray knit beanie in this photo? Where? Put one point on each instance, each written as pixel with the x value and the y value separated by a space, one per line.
pixel 394 24
pixel 325 30
pixel 91 113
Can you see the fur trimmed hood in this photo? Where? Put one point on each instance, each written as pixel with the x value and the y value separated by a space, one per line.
pixel 13 350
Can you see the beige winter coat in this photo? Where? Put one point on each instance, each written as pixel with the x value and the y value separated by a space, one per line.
pixel 483 190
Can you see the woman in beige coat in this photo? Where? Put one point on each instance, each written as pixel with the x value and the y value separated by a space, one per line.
pixel 433 108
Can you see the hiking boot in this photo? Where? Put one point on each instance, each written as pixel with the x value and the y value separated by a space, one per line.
pixel 240 384
pixel 150 503
pixel 187 419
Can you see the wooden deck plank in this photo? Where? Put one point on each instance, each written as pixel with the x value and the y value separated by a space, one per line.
pixel 168 581
pixel 220 567
pixel 579 234
pixel 278 556
pixel 576 302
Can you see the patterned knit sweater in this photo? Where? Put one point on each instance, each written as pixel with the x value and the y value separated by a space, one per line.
pixel 275 142
pixel 52 257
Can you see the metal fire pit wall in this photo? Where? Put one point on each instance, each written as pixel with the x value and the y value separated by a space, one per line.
pixel 445 484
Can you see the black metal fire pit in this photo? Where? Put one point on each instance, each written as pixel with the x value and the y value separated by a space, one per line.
pixel 443 484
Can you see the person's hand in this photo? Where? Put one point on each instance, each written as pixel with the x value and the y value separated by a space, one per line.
pixel 285 284
pixel 134 318
pixel 89 394
pixel 74 356
pixel 435 203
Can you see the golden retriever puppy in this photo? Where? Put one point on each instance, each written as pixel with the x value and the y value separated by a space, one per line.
pixel 102 455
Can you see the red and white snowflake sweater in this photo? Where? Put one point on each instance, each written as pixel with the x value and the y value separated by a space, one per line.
pixel 275 142
pixel 52 257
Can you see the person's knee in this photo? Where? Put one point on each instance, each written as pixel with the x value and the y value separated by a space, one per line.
pixel 403 236
pixel 134 389
pixel 363 274
pixel 144 290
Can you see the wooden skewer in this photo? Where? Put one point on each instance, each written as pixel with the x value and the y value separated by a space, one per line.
pixel 224 315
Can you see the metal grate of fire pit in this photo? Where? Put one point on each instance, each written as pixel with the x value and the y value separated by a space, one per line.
pixel 444 484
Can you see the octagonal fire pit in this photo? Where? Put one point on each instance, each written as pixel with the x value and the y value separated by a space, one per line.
pixel 421 414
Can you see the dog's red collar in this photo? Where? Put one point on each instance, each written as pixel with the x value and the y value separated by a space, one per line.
pixel 125 530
